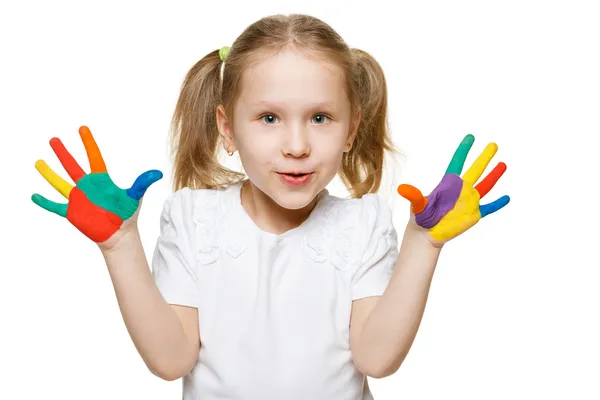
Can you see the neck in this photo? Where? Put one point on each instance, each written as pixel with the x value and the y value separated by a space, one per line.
pixel 268 215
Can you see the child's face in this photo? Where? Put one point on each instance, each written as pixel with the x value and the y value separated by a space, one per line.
pixel 293 116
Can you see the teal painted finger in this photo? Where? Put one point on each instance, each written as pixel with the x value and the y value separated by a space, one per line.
pixel 102 191
pixel 460 155
pixel 487 209
pixel 56 208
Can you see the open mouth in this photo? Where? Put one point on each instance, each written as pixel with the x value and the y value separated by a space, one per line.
pixel 295 178
pixel 295 173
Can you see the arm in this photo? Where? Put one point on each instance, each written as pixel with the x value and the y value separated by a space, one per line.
pixel 383 328
pixel 166 337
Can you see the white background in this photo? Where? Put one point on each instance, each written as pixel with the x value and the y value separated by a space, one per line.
pixel 513 309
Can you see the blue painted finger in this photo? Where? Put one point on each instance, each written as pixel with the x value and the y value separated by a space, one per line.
pixel 487 209
pixel 142 183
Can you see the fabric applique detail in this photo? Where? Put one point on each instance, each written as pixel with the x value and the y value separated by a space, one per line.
pixel 215 229
pixel 236 240
pixel 331 235
pixel 206 218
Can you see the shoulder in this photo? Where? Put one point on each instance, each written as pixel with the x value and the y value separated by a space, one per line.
pixel 376 216
pixel 195 205
pixel 347 226
pixel 202 217
pixel 367 212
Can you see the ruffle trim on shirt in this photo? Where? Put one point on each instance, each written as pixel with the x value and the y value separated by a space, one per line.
pixel 207 217
pixel 332 234
pixel 215 232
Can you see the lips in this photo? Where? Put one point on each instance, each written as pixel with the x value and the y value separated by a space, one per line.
pixel 295 178
pixel 294 173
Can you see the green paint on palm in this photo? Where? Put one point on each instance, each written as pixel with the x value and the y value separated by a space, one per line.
pixel 103 192
pixel 460 155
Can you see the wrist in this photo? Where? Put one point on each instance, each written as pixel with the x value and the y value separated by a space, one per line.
pixel 421 237
pixel 120 241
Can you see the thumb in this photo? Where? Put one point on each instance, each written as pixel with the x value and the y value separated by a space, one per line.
pixel 414 195
pixel 142 183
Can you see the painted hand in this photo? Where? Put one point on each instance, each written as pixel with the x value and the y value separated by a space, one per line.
pixel 96 207
pixel 453 206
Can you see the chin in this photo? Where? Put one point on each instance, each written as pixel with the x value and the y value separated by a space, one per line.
pixel 293 200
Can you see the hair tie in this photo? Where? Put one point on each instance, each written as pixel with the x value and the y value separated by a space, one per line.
pixel 224 52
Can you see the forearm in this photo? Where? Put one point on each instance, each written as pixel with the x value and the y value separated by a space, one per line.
pixel 152 324
pixel 392 325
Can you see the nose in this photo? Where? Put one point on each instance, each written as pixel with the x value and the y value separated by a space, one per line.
pixel 296 142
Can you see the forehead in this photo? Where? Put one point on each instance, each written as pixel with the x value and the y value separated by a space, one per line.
pixel 293 76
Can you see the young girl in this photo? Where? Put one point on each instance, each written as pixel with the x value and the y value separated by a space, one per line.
pixel 263 285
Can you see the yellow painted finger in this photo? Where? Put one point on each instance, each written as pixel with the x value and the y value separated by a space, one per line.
pixel 480 164
pixel 52 177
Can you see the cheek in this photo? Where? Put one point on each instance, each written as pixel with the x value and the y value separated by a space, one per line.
pixel 330 146
pixel 255 150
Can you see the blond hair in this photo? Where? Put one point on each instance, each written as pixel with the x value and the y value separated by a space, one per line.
pixel 195 139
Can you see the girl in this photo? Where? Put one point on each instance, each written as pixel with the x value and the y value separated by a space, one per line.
pixel 263 285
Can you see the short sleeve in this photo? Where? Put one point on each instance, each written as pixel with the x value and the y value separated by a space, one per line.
pixel 380 249
pixel 173 262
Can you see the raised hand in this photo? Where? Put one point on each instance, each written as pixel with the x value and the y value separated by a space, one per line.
pixel 96 206
pixel 453 206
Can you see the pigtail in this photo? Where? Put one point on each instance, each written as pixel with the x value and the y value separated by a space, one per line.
pixel 194 136
pixel 362 167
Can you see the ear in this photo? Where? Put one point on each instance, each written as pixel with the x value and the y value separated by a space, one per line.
pixel 225 129
pixel 353 131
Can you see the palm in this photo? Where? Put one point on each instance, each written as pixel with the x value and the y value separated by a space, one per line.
pixel 96 206
pixel 453 206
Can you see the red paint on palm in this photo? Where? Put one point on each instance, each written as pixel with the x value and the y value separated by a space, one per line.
pixel 94 222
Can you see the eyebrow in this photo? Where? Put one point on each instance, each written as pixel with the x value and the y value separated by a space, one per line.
pixel 271 104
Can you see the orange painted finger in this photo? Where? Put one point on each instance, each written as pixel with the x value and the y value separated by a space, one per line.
pixel 67 160
pixel 414 195
pixel 93 152
pixel 490 180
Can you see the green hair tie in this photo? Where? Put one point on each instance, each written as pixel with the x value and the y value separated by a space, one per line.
pixel 224 52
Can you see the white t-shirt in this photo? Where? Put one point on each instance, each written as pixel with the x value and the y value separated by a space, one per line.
pixel 274 310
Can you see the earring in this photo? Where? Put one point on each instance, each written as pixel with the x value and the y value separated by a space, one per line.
pixel 229 153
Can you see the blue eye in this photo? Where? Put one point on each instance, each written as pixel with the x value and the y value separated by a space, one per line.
pixel 269 119
pixel 320 118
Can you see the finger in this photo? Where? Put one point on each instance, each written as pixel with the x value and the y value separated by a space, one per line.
pixel 490 180
pixel 460 155
pixel 56 181
pixel 56 208
pixel 67 160
pixel 142 183
pixel 92 150
pixel 414 195
pixel 474 173
pixel 487 209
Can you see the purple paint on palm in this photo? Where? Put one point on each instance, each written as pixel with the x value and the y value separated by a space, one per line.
pixel 440 201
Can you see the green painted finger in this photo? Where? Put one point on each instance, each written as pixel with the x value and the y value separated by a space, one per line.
pixel 56 208
pixel 460 155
